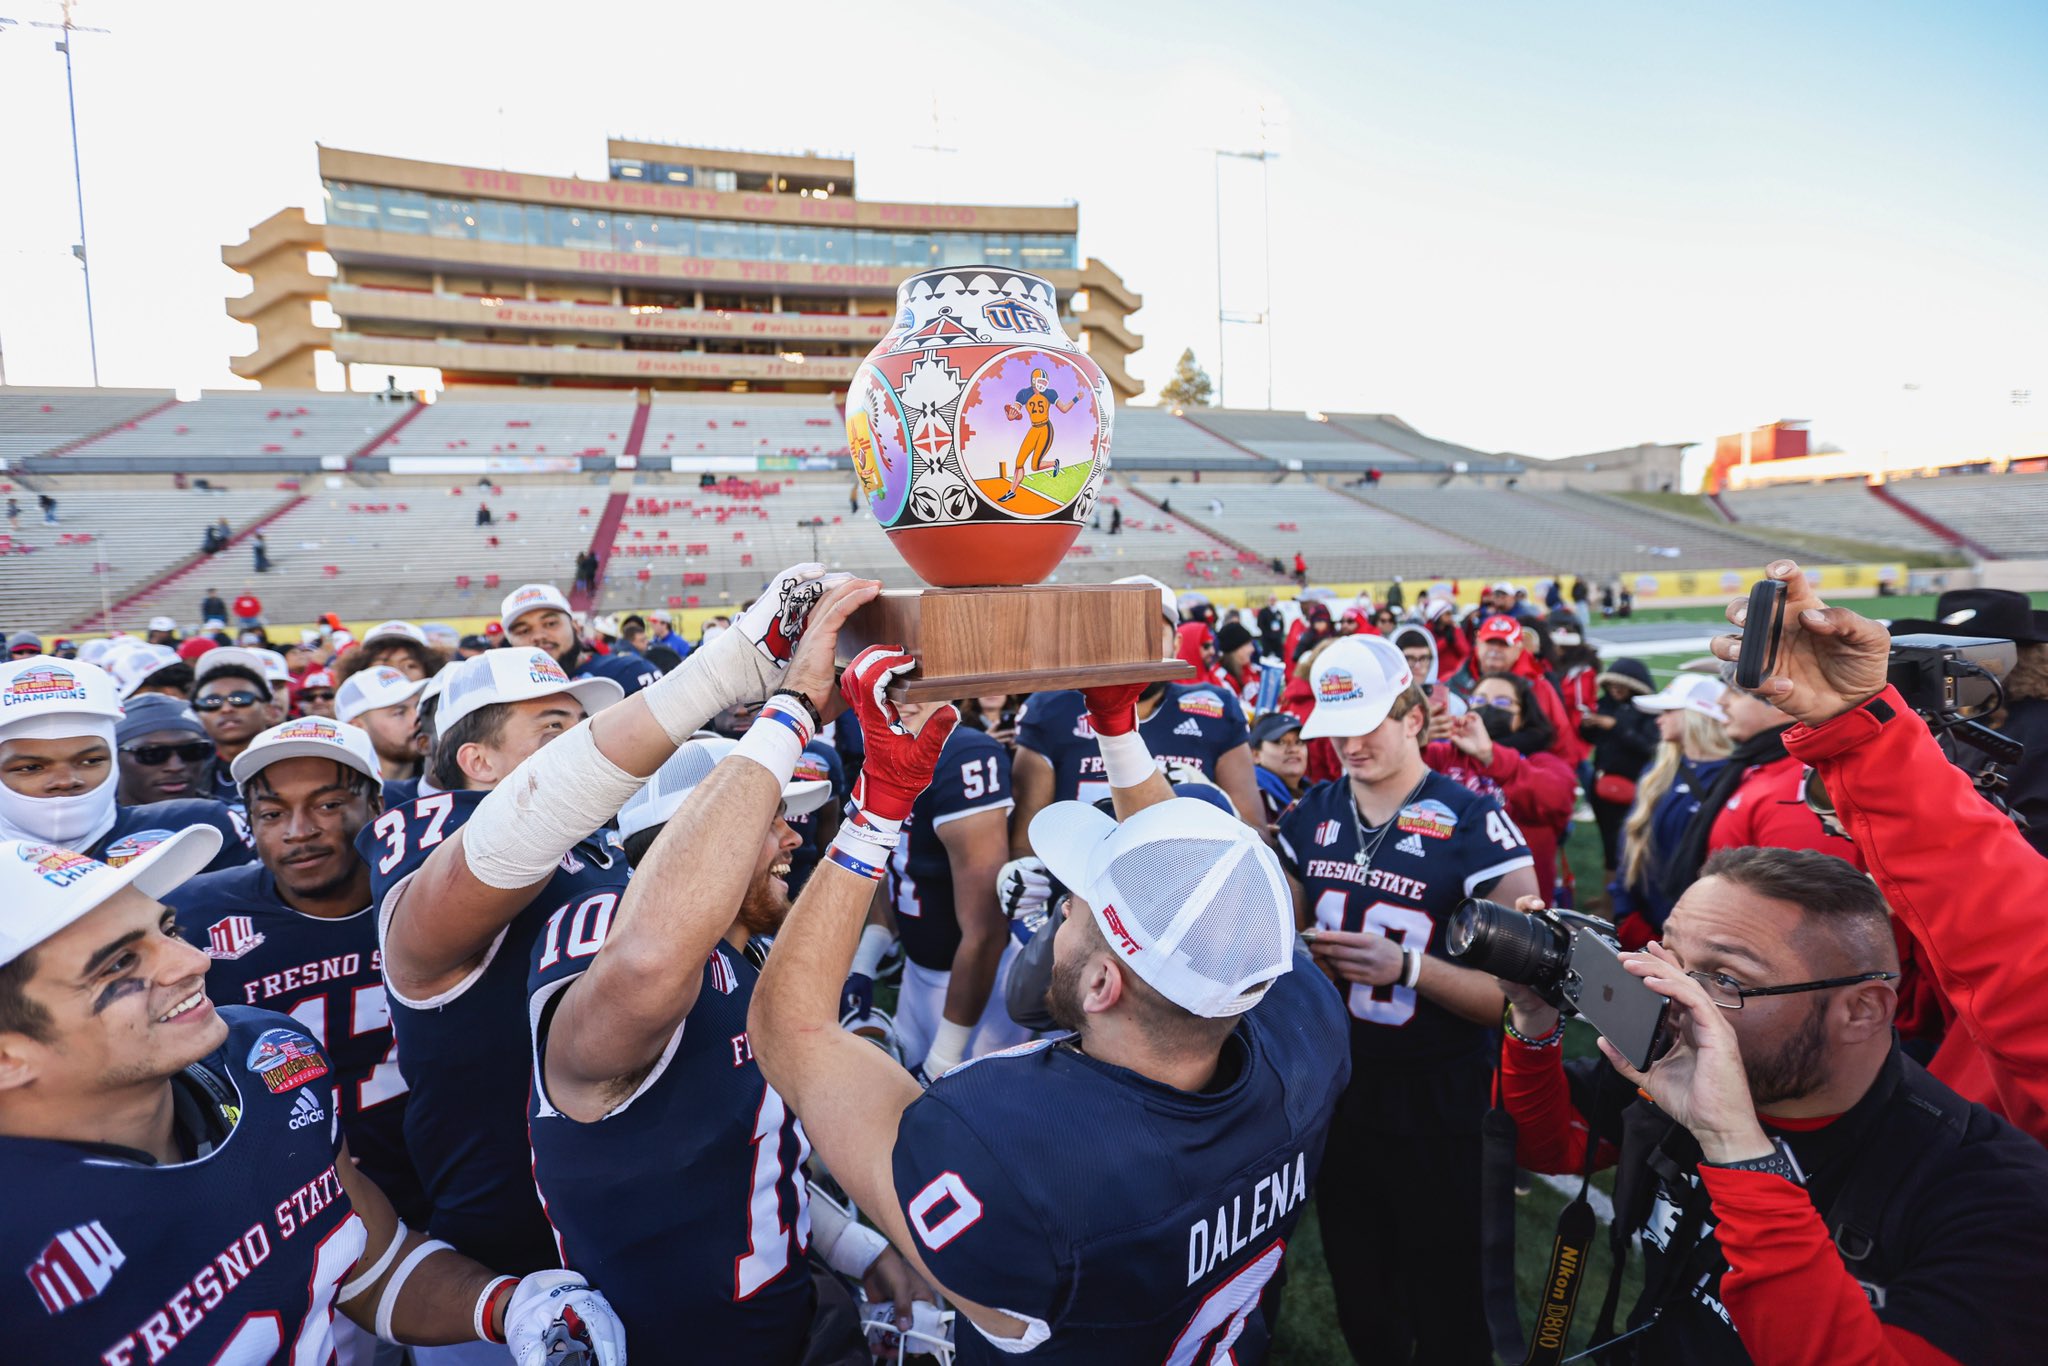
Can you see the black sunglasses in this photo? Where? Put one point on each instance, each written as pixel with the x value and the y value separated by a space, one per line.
pixel 149 756
pixel 215 701
pixel 316 696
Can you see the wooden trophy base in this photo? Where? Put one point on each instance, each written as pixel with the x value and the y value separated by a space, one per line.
pixel 972 642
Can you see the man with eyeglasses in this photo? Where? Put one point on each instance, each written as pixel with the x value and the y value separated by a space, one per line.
pixel 1802 1190
pixel 61 725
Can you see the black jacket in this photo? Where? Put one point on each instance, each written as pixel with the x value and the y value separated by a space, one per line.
pixel 1627 748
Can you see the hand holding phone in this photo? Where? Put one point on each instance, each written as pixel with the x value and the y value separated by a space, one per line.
pixel 1762 622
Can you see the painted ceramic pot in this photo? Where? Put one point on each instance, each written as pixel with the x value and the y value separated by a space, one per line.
pixel 979 430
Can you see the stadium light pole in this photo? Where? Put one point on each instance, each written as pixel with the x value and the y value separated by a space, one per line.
pixel 1263 317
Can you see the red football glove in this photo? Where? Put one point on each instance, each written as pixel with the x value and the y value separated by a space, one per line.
pixel 899 765
pixel 1113 708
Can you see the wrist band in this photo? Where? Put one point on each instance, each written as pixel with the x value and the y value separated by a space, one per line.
pixel 884 831
pixel 948 1047
pixel 1507 1023
pixel 853 863
pixel 388 1301
pixel 803 700
pixel 1126 761
pixel 486 1308
pixel 860 848
pixel 1411 967
pixel 874 947
pixel 776 740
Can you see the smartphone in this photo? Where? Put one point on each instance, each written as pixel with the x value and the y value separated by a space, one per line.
pixel 1309 935
pixel 1614 1000
pixel 1760 627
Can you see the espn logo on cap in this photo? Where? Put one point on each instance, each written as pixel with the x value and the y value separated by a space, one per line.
pixel 75 1266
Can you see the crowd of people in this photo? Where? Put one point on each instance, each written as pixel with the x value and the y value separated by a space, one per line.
pixel 579 989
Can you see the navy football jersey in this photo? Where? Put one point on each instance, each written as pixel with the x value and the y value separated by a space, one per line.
pixel 464 1054
pixel 1195 724
pixel 1446 843
pixel 973 775
pixel 329 976
pixel 1159 1234
pixel 139 829
pixel 222 785
pixel 818 760
pixel 687 1202
pixel 233 1256
pixel 628 670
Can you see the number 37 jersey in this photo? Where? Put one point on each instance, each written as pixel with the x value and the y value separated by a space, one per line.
pixel 1444 845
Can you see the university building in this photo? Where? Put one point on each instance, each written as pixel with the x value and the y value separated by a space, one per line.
pixel 688 268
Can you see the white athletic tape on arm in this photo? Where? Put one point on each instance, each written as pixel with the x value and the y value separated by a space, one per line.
pixel 388 1301
pixel 1126 761
pixel 722 674
pixel 368 1278
pixel 777 738
pixel 563 792
pixel 874 947
pixel 949 1046
pixel 848 1246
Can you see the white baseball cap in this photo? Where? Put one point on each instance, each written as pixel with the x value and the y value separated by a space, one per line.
pixel 131 668
pixel 268 664
pixel 309 737
pixel 530 597
pixel 1189 897
pixel 1688 692
pixel 1356 682
pixel 513 675
pixel 45 698
pixel 46 887
pixel 690 765
pixel 368 689
pixel 394 630
pixel 1502 587
pixel 1169 600
pixel 163 624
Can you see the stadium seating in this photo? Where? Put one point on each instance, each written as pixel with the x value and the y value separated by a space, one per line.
pixel 1291 437
pixel 411 550
pixel 1154 439
pixel 47 579
pixel 686 424
pixel 36 420
pixel 1838 509
pixel 1338 536
pixel 2007 514
pixel 1577 533
pixel 270 429
pixel 464 423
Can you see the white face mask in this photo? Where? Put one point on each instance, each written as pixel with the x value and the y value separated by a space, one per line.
pixel 75 822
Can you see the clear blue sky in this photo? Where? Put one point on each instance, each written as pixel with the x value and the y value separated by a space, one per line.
pixel 1540 228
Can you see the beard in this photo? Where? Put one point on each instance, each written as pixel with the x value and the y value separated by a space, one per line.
pixel 1796 1069
pixel 765 906
pixel 1063 994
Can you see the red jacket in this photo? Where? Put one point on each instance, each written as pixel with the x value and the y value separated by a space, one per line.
pixel 1964 881
pixel 1769 810
pixel 1535 788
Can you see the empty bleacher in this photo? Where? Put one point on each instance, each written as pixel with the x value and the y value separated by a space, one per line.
pixel 267 429
pixel 1154 439
pixel 1576 533
pixel 411 550
pixel 1844 508
pixel 33 421
pixel 1338 536
pixel 2007 514
pixel 467 423
pixel 732 425
pixel 48 580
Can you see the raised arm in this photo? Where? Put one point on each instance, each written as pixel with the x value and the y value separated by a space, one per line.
pixel 475 882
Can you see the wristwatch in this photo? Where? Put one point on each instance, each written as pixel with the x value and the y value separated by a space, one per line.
pixel 1778 1162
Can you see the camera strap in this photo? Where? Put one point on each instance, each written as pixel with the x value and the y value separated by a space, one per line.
pixel 1570 1249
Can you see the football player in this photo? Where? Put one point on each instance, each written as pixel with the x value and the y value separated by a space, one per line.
pixel 385 704
pixel 58 784
pixel 1200 726
pixel 178 1191
pixel 466 879
pixel 293 932
pixel 235 697
pixel 537 614
pixel 1188 1105
pixel 668 1166
pixel 942 888
pixel 1380 859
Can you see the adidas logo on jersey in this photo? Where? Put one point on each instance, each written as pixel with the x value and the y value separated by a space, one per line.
pixel 1189 727
pixel 1411 845
pixel 306 1110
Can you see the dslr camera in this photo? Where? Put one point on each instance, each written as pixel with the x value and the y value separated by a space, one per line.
pixel 1571 960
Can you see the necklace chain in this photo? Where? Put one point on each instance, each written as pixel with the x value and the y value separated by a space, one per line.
pixel 1366 853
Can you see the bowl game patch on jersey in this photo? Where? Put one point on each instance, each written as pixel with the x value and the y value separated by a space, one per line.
pixel 1202 703
pixel 1428 817
pixel 134 845
pixel 284 1059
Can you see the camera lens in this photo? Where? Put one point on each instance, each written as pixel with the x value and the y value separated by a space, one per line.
pixel 1489 937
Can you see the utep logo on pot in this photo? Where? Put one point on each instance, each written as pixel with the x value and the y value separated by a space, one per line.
pixel 44 685
pixel 1011 316
pixel 1337 685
